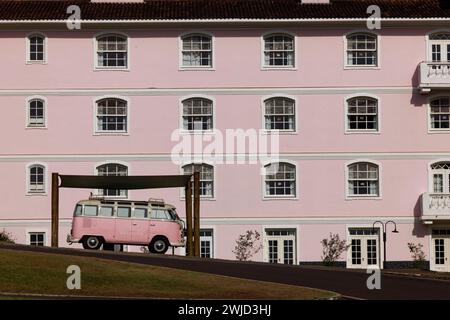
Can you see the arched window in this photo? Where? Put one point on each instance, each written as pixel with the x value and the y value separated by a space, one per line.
pixel 112 51
pixel 197 51
pixel 112 169
pixel 280 180
pixel 440 114
pixel 36 178
pixel 36 113
pixel 206 177
pixel 362 114
pixel 440 172
pixel 36 48
pixel 197 114
pixel 112 115
pixel 363 179
pixel 439 47
pixel 362 49
pixel 279 114
pixel 279 50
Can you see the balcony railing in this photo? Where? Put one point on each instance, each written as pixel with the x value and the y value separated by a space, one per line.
pixel 434 75
pixel 436 206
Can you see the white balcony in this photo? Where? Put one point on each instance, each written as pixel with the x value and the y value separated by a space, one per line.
pixel 435 207
pixel 434 75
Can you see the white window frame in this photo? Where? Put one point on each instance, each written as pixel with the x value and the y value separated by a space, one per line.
pixel 429 42
pixel 213 239
pixel 28 180
pixel 27 112
pixel 428 105
pixel 262 50
pixel 265 196
pixel 362 67
pixel 97 67
pixel 182 67
pixel 265 238
pixel 198 96
pixel 97 191
pixel 432 171
pixel 34 231
pixel 349 196
pixel 348 239
pixel 359 131
pixel 263 114
pixel 27 50
pixel 95 114
pixel 214 183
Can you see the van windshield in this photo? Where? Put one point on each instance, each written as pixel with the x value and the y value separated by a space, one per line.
pixel 78 210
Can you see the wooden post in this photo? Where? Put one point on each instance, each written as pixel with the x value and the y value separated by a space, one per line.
pixel 55 209
pixel 197 214
pixel 188 196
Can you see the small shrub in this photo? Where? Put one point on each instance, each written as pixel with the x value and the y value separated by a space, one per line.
pixel 247 245
pixel 6 237
pixel 332 249
pixel 417 254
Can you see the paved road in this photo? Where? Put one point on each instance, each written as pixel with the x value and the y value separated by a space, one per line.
pixel 350 283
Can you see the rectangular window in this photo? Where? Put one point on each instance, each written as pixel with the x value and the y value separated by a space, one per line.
pixel 361 50
pixel 36 47
pixel 124 212
pixel 440 114
pixel 362 114
pixel 90 211
pixel 140 213
pixel 106 211
pixel 37 239
pixel 112 115
pixel 112 52
pixel 197 51
pixel 279 51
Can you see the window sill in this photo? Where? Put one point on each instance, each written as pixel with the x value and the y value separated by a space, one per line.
pixel 201 198
pixel 268 198
pixel 350 198
pixel 33 194
pixel 181 68
pixel 362 132
pixel 197 132
pixel 36 63
pixel 362 68
pixel 278 68
pixel 36 127
pixel 111 134
pixel 111 69
pixel 439 131
pixel 279 132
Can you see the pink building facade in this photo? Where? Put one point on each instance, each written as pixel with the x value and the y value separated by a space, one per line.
pixel 362 115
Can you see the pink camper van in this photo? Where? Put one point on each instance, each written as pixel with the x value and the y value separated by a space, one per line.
pixel 152 223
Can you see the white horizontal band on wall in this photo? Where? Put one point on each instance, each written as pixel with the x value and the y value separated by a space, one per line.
pixel 210 91
pixel 246 221
pixel 219 157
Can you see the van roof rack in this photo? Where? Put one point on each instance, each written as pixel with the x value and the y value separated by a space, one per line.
pixel 156 201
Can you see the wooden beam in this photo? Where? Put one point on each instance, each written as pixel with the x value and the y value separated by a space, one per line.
pixel 197 214
pixel 188 198
pixel 55 209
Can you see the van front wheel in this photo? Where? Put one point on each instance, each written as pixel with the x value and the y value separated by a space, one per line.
pixel 92 243
pixel 158 245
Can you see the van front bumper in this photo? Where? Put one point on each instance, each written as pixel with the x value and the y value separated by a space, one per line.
pixel 71 239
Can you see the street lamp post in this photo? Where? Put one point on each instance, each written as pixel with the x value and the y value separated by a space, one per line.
pixel 384 225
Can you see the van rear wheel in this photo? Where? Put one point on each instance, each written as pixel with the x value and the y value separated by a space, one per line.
pixel 159 245
pixel 92 243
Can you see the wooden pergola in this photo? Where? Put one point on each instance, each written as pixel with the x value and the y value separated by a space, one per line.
pixel 134 183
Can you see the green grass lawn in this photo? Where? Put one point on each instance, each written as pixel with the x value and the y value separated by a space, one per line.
pixel 39 273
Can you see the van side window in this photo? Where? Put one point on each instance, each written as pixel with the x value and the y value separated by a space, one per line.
pixel 90 211
pixel 124 212
pixel 160 214
pixel 106 211
pixel 78 210
pixel 140 213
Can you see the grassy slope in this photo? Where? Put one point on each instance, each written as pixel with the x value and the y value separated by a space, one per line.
pixel 46 274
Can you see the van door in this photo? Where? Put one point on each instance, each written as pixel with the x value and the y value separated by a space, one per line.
pixel 123 225
pixel 161 223
pixel 140 225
